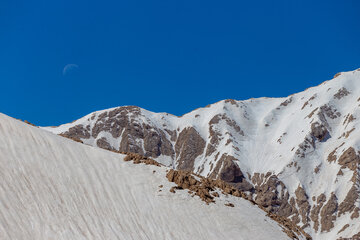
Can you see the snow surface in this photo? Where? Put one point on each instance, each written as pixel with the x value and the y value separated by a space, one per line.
pixel 54 188
pixel 272 135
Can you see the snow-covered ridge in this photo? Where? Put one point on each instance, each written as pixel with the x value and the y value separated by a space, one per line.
pixel 54 188
pixel 298 155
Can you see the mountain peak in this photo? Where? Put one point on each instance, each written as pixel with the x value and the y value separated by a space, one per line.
pixel 288 153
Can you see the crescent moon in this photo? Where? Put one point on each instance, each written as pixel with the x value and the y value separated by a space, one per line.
pixel 69 68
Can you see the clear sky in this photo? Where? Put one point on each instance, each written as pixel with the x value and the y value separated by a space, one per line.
pixel 166 56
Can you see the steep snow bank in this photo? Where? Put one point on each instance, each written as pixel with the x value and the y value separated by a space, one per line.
pixel 54 188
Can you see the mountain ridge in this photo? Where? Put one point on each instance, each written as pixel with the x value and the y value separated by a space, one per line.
pixel 298 156
pixel 54 188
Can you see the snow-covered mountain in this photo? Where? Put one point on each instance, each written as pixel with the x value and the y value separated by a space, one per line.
pixel 54 188
pixel 298 156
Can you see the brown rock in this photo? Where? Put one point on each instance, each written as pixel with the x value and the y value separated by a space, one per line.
pixel 189 146
pixel 319 131
pixel 229 204
pixel 328 214
pixel 102 143
pixel 303 204
pixel 349 159
pixel 341 93
pixel 348 205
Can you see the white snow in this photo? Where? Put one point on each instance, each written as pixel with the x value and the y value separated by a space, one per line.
pixel 54 188
pixel 272 135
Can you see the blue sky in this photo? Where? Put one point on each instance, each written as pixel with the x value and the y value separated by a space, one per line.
pixel 166 56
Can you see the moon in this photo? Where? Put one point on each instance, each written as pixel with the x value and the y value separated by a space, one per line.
pixel 69 68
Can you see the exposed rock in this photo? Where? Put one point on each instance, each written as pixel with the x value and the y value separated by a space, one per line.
pixel 317 169
pixel 338 74
pixel 202 187
pixel 232 101
pixel 229 204
pixel 341 93
pixel 27 122
pixel 328 214
pixel 102 143
pixel 319 131
pixel 306 145
pixel 266 188
pixel 332 157
pixel 173 135
pixel 349 159
pixel 314 214
pixel 137 158
pixel 355 214
pixel 347 134
pixel 305 104
pixel 189 146
pixel 303 204
pixel 286 102
pixel 348 205
pixel 227 170
pixel 77 132
pixel 156 143
pixel 349 118
pixel 356 236
pixel 72 138
pixel 328 111
pixel 312 113
pixel 222 117
pixel 343 228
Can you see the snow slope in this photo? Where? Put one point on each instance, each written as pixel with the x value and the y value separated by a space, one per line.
pixel 54 188
pixel 294 146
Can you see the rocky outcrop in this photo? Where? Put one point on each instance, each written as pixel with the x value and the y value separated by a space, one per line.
pixel 349 159
pixel 315 211
pixel 103 143
pixel 188 147
pixel 319 131
pixel 327 214
pixel 206 189
pixel 303 204
pixel 348 205
pixel 78 132
pixel 268 196
pixel 341 93
pixel 227 170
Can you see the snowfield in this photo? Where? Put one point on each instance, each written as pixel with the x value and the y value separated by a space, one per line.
pixel 299 154
pixel 54 188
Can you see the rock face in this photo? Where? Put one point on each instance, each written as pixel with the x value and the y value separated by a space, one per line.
pixel 297 157
pixel 188 147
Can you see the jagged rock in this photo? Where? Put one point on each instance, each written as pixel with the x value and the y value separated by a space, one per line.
pixel 328 213
pixel 315 211
pixel 341 93
pixel 227 170
pixel 102 143
pixel 229 205
pixel 328 111
pixel 349 159
pixel 77 132
pixel 319 131
pixel 286 102
pixel 189 145
pixel 348 205
pixel 303 204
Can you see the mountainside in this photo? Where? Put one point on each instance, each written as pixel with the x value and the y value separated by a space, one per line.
pixel 297 156
pixel 54 188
